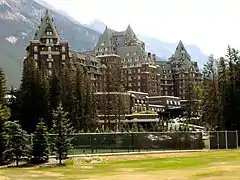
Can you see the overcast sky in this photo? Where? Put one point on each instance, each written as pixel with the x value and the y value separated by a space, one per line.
pixel 210 24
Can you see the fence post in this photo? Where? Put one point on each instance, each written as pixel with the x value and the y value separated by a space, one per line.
pixel 218 139
pixel 237 138
pixel 209 140
pixel 226 139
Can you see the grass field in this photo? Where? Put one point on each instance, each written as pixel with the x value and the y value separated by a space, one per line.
pixel 212 165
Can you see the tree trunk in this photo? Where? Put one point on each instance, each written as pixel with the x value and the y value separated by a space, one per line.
pixel 17 161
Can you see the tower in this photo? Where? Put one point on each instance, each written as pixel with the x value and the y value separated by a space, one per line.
pixel 47 48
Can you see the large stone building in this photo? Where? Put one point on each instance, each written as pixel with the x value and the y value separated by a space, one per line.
pixel 139 68
pixel 119 65
pixel 178 72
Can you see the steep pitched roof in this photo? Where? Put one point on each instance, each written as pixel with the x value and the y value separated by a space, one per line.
pixel 129 33
pixel 46 23
pixel 105 37
pixel 181 52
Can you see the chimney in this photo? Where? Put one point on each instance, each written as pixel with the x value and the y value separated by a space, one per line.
pixel 149 54
pixel 154 57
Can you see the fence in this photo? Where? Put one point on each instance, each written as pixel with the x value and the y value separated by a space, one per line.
pixel 223 139
pixel 92 143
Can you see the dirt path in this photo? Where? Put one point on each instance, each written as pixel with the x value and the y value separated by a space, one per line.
pixel 216 172
pixel 157 155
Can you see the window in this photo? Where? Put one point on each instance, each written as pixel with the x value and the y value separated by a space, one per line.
pixel 47 41
pixel 49 49
pixel 129 60
pixel 51 40
pixel 35 56
pixel 63 57
pixel 139 84
pixel 106 49
pixel 127 54
pixel 139 77
pixel 49 56
pixel 49 33
pixel 134 53
pixel 129 78
pixel 102 44
pixel 35 48
pixel 129 84
pixel 50 65
pixel 164 72
pixel 129 71
pixel 63 49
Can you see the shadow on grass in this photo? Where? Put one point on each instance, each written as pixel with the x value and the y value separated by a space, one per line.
pixel 32 165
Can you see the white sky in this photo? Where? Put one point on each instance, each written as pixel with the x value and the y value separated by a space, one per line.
pixel 210 24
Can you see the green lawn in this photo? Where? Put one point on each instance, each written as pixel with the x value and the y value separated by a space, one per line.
pixel 190 166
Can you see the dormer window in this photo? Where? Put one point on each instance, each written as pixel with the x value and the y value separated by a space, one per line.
pixel 49 33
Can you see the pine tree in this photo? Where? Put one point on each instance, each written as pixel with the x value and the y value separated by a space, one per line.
pixel 61 134
pixel 17 146
pixel 33 96
pixel 40 144
pixel 209 95
pixel 67 93
pixel 233 97
pixel 79 100
pixel 3 88
pixel 55 91
pixel 222 93
pixel 4 115
pixel 190 95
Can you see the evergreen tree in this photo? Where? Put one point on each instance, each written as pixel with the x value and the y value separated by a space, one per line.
pixel 78 120
pixel 4 115
pixel 55 91
pixel 40 144
pixel 17 146
pixel 233 97
pixel 67 93
pixel 190 95
pixel 222 93
pixel 3 88
pixel 33 96
pixel 61 134
pixel 209 95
